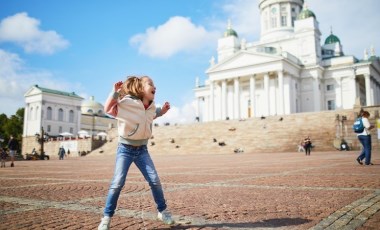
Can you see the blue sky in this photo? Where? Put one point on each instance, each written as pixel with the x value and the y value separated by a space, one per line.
pixel 85 46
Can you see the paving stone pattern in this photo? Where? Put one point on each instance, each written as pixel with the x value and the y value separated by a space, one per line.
pixel 327 190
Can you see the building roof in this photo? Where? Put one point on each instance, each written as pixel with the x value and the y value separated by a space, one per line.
pixel 52 91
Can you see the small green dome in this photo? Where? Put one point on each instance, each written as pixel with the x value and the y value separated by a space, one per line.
pixel 306 14
pixel 332 39
pixel 229 31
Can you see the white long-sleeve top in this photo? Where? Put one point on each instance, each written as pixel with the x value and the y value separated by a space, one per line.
pixel 134 121
pixel 367 125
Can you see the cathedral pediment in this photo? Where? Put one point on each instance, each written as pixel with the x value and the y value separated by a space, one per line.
pixel 244 59
pixel 32 91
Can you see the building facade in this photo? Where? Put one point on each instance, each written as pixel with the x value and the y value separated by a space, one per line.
pixel 60 112
pixel 287 71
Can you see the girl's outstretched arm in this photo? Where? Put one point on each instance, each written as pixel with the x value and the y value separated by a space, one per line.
pixel 110 107
pixel 161 111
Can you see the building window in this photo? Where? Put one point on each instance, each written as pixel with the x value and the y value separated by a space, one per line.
pixel 60 129
pixel 71 130
pixel 331 105
pixel 293 19
pixel 37 113
pixel 330 87
pixel 48 128
pixel 49 113
pixel 71 116
pixel 284 20
pixel 60 115
pixel 273 22
pixel 31 113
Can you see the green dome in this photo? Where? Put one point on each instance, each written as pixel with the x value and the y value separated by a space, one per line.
pixel 230 32
pixel 332 39
pixel 306 13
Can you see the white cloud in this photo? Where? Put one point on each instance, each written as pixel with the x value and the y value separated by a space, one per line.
pixel 178 115
pixel 177 35
pixel 25 32
pixel 16 78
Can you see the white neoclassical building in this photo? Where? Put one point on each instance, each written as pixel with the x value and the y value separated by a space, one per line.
pixel 288 71
pixel 58 112
pixel 54 110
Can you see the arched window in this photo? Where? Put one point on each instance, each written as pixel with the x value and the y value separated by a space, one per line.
pixel 49 113
pixel 71 116
pixel 36 113
pixel 30 115
pixel 60 115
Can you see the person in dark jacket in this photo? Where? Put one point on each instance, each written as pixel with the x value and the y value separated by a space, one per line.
pixel 12 146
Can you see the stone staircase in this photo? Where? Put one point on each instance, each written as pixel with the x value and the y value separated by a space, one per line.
pixel 272 134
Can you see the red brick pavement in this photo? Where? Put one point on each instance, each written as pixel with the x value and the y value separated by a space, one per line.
pixel 327 190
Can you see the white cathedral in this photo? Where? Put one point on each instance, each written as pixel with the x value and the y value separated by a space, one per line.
pixel 287 71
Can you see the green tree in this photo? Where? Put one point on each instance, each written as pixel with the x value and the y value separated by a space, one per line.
pixel 11 126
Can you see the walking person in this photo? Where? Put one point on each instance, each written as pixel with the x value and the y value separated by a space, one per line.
pixel 132 104
pixel 61 153
pixel 365 139
pixel 12 146
pixel 307 145
pixel 3 156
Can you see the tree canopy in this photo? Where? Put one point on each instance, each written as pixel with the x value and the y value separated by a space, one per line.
pixel 12 126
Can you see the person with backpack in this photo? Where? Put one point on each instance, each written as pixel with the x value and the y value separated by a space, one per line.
pixel 365 138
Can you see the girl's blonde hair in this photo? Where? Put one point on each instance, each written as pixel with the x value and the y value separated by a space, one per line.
pixel 132 86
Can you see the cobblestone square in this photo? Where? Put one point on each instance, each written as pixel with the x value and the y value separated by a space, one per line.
pixel 327 190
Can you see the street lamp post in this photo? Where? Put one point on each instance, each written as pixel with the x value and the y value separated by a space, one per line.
pixel 41 138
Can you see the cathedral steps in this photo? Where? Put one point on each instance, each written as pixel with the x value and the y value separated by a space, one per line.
pixel 272 134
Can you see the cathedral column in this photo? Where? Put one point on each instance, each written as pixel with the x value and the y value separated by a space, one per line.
pixel 368 98
pixel 252 83
pixel 353 86
pixel 197 107
pixel 266 93
pixel 288 99
pixel 212 101
pixel 236 99
pixel 339 92
pixel 224 99
pixel 316 93
pixel 281 92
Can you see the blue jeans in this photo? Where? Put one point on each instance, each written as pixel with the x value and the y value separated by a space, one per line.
pixel 366 142
pixel 125 155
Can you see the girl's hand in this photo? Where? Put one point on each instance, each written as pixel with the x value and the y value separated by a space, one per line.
pixel 117 86
pixel 165 108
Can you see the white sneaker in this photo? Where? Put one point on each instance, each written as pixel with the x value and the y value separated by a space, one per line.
pixel 105 224
pixel 165 216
